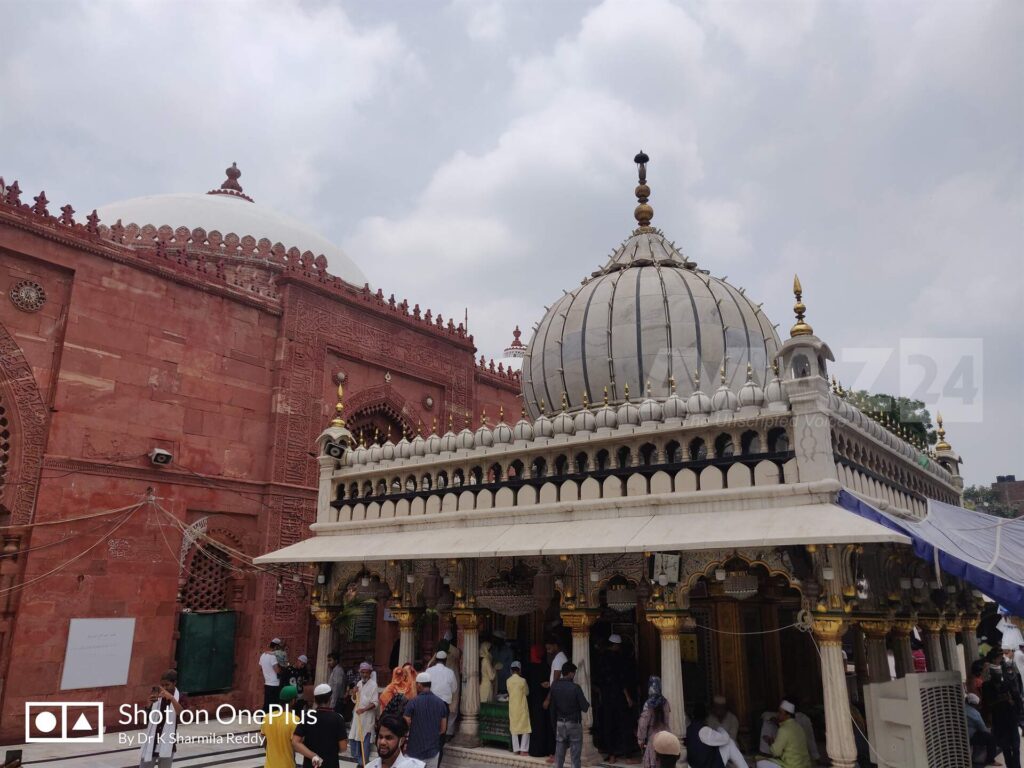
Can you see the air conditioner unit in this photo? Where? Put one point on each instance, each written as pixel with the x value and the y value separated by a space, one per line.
pixel 918 722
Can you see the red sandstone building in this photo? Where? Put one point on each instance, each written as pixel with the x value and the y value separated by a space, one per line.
pixel 211 329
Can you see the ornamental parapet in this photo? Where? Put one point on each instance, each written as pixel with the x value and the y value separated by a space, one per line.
pixel 630 460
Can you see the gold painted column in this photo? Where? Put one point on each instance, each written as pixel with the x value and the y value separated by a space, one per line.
pixel 950 650
pixel 839 741
pixel 468 623
pixel 669 624
pixel 875 632
pixel 407 633
pixel 904 656
pixel 931 630
pixel 580 621
pixel 969 637
pixel 324 616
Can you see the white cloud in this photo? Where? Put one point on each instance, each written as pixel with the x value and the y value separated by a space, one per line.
pixel 485 19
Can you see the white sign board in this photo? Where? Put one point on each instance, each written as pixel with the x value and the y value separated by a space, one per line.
pixel 98 653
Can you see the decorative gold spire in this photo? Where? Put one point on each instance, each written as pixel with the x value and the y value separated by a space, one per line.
pixel 543 406
pixel 941 445
pixel 565 402
pixel 750 372
pixel 643 212
pixel 433 426
pixel 721 374
pixel 468 422
pixel 801 328
pixel 606 397
pixel 775 367
pixel 451 422
pixel 672 384
pixel 648 389
pixel 501 414
pixel 483 417
pixel 625 391
pixel 339 408
pixel 586 402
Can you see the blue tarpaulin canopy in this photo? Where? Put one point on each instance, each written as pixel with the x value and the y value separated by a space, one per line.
pixel 983 550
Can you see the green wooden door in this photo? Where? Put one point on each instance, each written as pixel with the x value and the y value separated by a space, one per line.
pixel 206 651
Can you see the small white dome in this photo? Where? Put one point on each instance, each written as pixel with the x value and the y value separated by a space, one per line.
pixel 698 402
pixel 523 430
pixel 628 414
pixel 464 441
pixel 606 417
pixel 650 410
pixel 484 437
pixel 724 399
pixel 674 406
pixel 230 212
pixel 419 446
pixel 542 427
pixel 388 451
pixel 404 449
pixel 449 443
pixel 563 424
pixel 585 421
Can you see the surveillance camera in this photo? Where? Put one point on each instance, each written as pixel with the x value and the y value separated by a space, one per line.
pixel 160 457
pixel 334 450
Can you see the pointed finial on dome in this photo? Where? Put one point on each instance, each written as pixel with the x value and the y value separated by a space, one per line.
pixel 721 374
pixel 543 406
pixel 644 212
pixel 672 384
pixel 801 328
pixel 586 402
pixel 750 372
pixel 501 414
pixel 338 420
pixel 483 417
pixel 625 390
pixel 230 185
pixel 451 423
pixel 941 445
pixel 433 426
pixel 565 402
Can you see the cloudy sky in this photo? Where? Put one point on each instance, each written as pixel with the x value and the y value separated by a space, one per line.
pixel 477 155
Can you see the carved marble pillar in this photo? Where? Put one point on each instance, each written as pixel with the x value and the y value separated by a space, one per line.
pixel 950 651
pixel 875 632
pixel 324 616
pixel 469 723
pixel 669 624
pixel 931 630
pixel 407 633
pixel 839 741
pixel 901 631
pixel 580 621
pixel 969 637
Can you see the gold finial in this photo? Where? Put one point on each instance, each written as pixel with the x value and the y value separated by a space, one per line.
pixel 696 382
pixel 451 423
pixel 625 391
pixel 672 384
pixel 483 417
pixel 565 402
pixel 721 374
pixel 648 389
pixel 643 212
pixel 775 367
pixel 750 372
pixel 801 328
pixel 501 414
pixel 941 445
pixel 586 402
pixel 522 413
pixel 433 426
pixel 606 397
pixel 338 420
pixel 543 406
pixel 468 420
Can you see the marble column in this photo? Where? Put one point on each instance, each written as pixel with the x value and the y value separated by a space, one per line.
pixel 469 721
pixel 669 624
pixel 839 741
pixel 969 637
pixel 875 632
pixel 407 633
pixel 931 630
pixel 901 631
pixel 325 624
pixel 580 621
pixel 950 650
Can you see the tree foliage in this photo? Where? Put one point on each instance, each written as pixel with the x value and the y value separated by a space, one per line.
pixel 911 415
pixel 984 498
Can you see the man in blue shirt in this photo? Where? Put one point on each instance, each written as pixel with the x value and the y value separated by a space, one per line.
pixel 977 731
pixel 427 716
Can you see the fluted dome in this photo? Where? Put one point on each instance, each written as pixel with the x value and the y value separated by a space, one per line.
pixel 523 430
pixel 484 437
pixel 648 314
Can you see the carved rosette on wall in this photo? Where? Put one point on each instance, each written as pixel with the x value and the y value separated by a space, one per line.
pixel 28 296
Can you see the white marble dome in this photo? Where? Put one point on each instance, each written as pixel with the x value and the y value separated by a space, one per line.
pixel 648 314
pixel 230 211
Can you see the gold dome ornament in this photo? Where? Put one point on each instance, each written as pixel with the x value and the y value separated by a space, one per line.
pixel 941 445
pixel 339 408
pixel 801 328
pixel 643 212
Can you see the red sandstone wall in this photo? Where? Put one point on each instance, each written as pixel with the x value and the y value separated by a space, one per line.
pixel 236 389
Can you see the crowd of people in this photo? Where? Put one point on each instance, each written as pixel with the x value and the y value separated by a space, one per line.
pixel 407 722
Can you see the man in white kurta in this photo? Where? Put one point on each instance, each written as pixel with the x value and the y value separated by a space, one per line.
pixel 366 696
